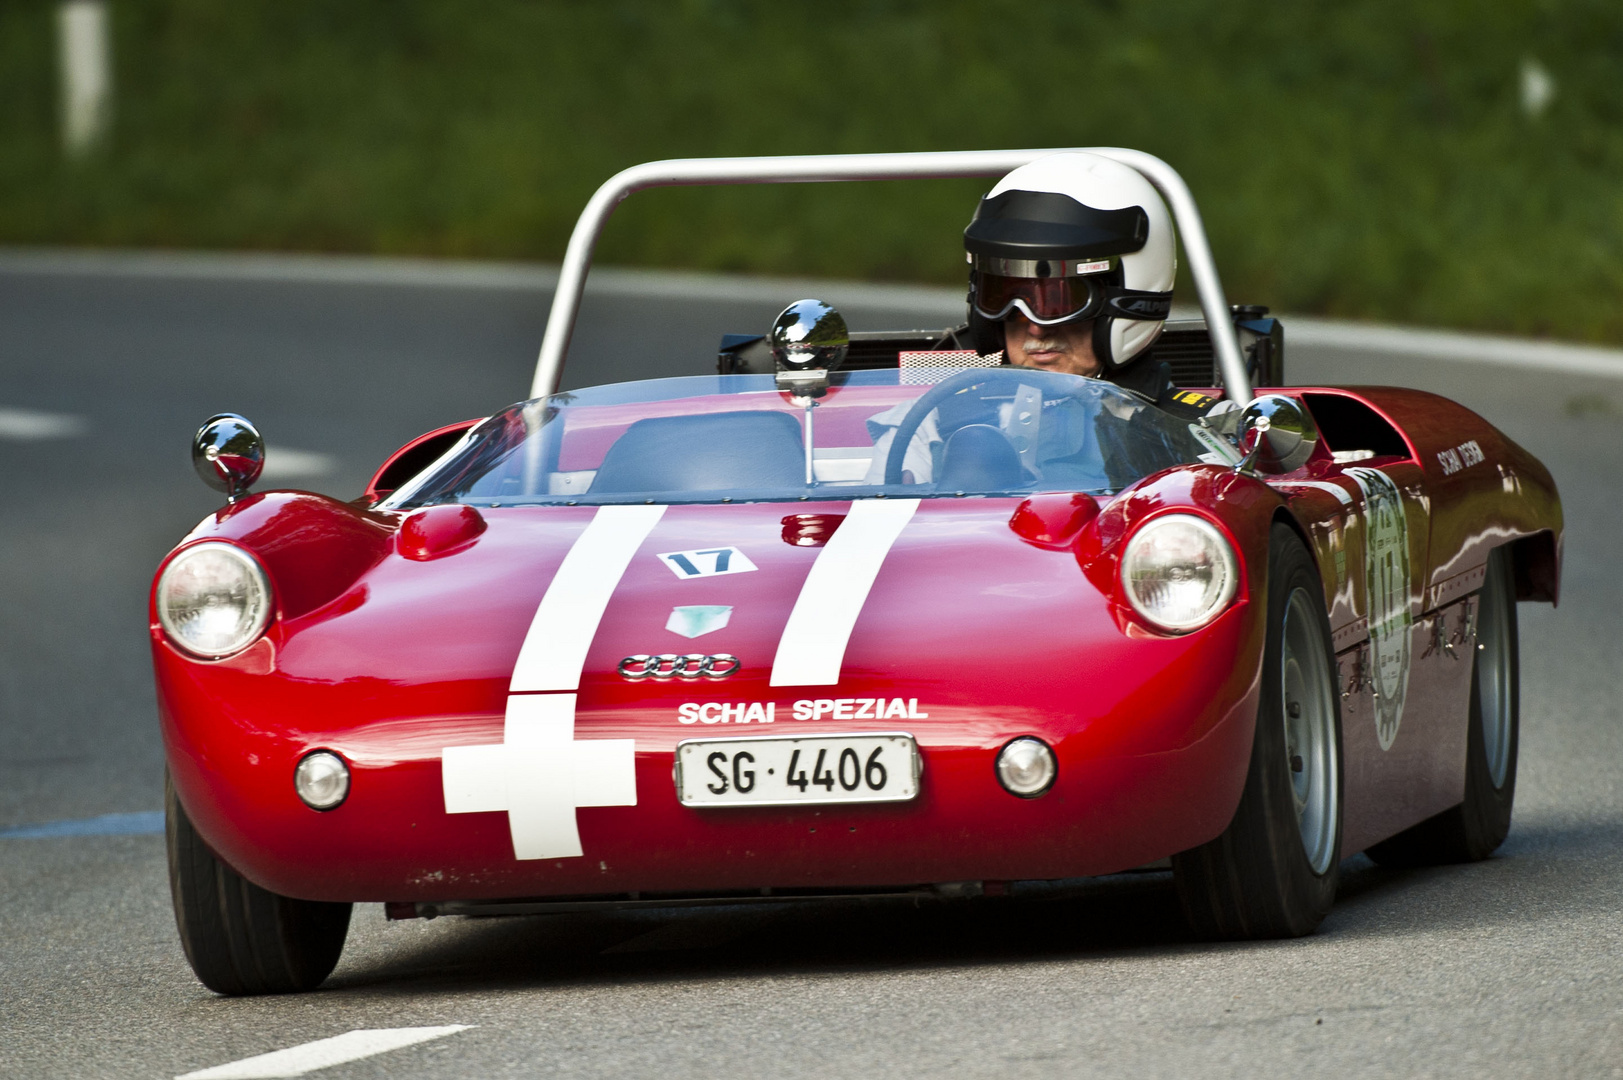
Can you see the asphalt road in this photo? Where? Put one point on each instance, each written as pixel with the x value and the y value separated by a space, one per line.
pixel 1510 967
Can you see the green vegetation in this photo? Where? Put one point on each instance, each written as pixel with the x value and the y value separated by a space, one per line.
pixel 1357 159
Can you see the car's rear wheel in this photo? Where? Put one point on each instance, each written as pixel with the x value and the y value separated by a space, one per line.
pixel 238 937
pixel 1273 872
pixel 1478 825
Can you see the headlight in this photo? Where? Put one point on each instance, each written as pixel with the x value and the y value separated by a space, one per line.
pixel 213 599
pixel 1179 572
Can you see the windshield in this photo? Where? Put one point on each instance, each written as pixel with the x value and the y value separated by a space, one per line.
pixel 737 438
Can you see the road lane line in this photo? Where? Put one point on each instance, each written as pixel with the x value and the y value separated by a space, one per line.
pixel 139 823
pixel 29 425
pixel 285 463
pixel 1410 341
pixel 932 305
pixel 323 1053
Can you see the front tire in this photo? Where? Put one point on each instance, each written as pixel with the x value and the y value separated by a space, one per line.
pixel 239 938
pixel 1476 827
pixel 1273 872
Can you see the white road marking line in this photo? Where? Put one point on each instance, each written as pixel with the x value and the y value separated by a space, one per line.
pixel 927 301
pixel 554 651
pixel 812 649
pixel 324 1053
pixel 539 774
pixel 924 301
pixel 284 463
pixel 1408 341
pixel 29 425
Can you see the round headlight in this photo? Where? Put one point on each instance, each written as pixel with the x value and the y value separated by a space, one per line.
pixel 1179 572
pixel 321 779
pixel 1026 767
pixel 213 600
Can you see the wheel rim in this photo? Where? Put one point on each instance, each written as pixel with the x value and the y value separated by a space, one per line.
pixel 1306 690
pixel 1493 679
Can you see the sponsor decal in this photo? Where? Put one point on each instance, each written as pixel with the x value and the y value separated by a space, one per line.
pixel 707 562
pixel 1463 456
pixel 766 712
pixel 859 709
pixel 1386 591
pixel 727 712
pixel 696 620
pixel 1218 452
pixel 1142 306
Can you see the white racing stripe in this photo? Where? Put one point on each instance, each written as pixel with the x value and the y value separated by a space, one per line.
pixel 539 774
pixel 554 651
pixel 812 649
pixel 324 1053
pixel 1342 494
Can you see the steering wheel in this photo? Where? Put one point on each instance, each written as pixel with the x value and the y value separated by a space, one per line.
pixel 932 398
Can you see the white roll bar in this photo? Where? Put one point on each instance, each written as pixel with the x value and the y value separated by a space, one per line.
pixel 832 167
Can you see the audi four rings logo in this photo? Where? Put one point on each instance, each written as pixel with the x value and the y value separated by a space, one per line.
pixel 672 666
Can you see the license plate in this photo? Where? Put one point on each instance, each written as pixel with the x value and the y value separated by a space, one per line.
pixel 771 771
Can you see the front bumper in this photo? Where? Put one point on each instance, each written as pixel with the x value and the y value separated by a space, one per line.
pixel 1152 756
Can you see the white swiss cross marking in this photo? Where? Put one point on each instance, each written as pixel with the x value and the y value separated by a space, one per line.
pixel 539 775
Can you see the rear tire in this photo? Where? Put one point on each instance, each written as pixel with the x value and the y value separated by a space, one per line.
pixel 239 938
pixel 1476 827
pixel 1273 872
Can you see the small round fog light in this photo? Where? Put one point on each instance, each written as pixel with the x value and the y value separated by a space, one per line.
pixel 321 779
pixel 1026 767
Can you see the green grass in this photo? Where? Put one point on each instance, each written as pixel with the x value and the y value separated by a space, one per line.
pixel 1356 159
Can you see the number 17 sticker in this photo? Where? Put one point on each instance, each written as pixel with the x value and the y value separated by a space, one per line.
pixel 708 562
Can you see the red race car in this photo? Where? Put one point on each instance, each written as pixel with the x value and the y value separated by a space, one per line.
pixel 859 614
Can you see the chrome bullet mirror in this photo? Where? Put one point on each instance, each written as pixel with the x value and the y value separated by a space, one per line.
pixel 809 340
pixel 1277 435
pixel 229 454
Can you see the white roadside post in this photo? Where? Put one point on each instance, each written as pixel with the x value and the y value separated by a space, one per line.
pixel 85 55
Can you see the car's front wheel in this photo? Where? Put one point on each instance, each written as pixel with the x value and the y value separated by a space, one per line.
pixel 238 937
pixel 1273 872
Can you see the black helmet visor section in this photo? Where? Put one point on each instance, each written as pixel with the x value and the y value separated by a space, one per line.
pixel 1048 225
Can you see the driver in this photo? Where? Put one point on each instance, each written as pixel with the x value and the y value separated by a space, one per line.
pixel 1072 260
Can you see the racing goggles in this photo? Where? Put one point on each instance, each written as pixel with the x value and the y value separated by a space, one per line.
pixel 1047 291
pixel 1079 290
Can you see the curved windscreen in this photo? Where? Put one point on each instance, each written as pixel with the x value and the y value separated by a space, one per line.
pixel 736 438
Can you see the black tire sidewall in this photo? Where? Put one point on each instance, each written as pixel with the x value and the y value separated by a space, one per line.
pixel 1486 811
pixel 1254 880
pixel 1309 895
pixel 238 937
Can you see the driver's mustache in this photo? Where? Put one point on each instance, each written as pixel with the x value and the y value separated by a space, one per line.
pixel 1042 345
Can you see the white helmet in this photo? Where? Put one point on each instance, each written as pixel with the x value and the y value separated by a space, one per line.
pixel 1075 236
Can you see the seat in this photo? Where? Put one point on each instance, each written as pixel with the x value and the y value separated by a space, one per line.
pixel 707 452
pixel 978 458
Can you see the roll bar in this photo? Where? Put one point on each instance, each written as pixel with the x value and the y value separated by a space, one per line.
pixel 822 168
